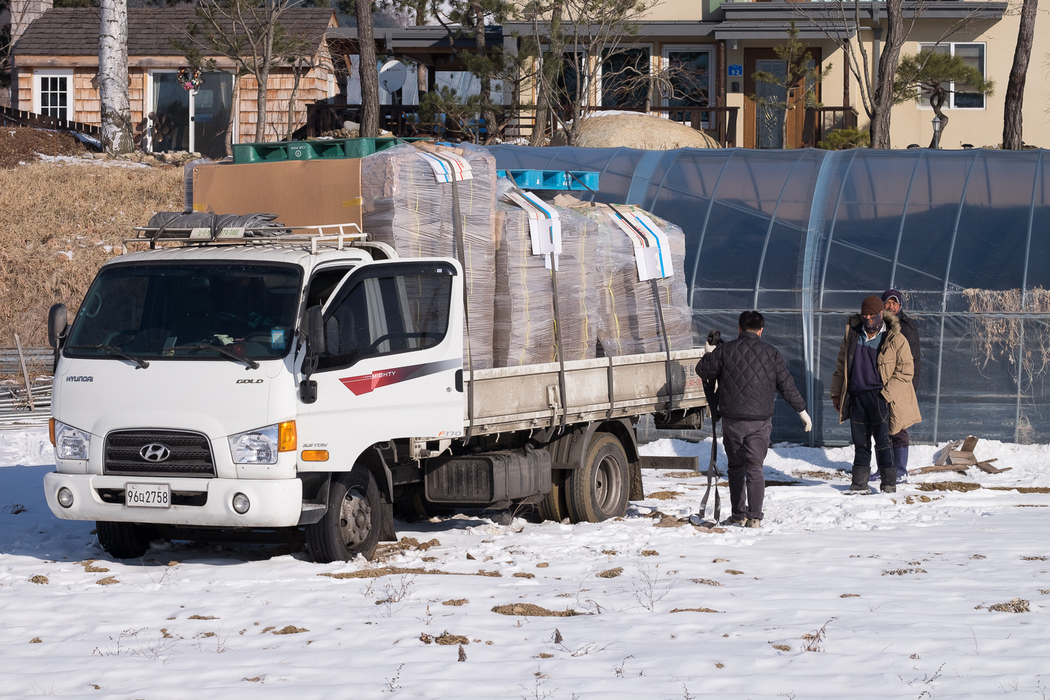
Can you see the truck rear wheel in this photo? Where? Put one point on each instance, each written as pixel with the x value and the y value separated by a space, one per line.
pixel 123 540
pixel 553 506
pixel 352 523
pixel 598 489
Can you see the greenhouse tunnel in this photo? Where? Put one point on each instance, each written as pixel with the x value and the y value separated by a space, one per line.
pixel 804 235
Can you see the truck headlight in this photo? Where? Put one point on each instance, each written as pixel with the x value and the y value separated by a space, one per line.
pixel 70 442
pixel 255 446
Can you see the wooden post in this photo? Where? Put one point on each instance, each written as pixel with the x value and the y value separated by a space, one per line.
pixel 25 372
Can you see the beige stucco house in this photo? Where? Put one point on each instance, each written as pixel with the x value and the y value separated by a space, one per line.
pixel 729 41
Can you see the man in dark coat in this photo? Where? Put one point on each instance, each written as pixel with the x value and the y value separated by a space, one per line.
pixel 749 373
pixel 894 302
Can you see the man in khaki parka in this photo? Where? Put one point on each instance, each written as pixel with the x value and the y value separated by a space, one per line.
pixel 872 388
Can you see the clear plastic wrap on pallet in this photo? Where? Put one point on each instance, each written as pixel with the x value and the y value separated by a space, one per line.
pixel 524 328
pixel 408 209
pixel 629 319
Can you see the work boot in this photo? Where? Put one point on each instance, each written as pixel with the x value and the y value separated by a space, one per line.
pixel 860 481
pixel 737 521
pixel 754 522
pixel 889 479
pixel 900 458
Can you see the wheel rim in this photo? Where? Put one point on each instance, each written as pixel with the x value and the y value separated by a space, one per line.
pixel 607 484
pixel 355 518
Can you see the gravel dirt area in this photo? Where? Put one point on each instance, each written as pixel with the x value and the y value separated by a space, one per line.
pixel 25 145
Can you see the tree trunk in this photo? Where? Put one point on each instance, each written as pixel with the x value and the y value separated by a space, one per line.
pixel 1015 89
pixel 366 47
pixel 937 102
pixel 549 74
pixel 488 115
pixel 115 101
pixel 883 98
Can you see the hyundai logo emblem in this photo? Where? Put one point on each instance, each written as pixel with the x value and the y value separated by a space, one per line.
pixel 155 452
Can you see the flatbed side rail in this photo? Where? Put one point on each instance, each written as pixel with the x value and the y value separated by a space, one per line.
pixel 517 398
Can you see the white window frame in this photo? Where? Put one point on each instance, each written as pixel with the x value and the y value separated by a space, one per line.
pixel 54 73
pixel 924 102
pixel 668 49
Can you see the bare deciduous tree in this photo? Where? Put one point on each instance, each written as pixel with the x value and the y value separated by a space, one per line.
pixel 579 36
pixel 889 26
pixel 252 35
pixel 114 97
pixel 1012 118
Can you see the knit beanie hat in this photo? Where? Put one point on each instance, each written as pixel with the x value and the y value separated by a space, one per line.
pixel 893 294
pixel 872 306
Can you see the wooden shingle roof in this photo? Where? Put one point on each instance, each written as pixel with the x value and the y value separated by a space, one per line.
pixel 74 31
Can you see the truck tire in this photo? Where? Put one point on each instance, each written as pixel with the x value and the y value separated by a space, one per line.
pixel 553 506
pixel 353 521
pixel 123 540
pixel 598 489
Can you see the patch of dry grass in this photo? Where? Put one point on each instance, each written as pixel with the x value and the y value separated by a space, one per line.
pixel 58 224
pixel 532 610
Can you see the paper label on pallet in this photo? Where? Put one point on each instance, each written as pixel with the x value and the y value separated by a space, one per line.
pixel 544 226
pixel 652 251
pixel 448 166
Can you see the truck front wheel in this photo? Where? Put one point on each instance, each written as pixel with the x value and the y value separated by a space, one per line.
pixel 352 523
pixel 598 489
pixel 123 540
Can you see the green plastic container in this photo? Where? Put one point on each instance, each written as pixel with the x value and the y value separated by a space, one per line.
pixel 259 152
pixel 301 150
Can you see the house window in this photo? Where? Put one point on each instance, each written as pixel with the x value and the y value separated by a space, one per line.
pixel 972 55
pixel 688 75
pixel 625 78
pixel 53 94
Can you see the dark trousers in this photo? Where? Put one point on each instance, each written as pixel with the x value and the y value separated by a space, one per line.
pixel 869 418
pixel 900 439
pixel 746 443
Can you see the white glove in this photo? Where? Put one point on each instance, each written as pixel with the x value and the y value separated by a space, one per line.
pixel 807 422
pixel 709 348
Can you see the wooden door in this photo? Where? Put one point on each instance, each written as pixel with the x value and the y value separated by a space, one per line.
pixel 763 127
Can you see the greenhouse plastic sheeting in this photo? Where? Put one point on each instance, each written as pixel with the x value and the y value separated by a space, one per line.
pixel 804 235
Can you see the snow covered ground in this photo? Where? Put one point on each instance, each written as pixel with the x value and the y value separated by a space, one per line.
pixel 864 597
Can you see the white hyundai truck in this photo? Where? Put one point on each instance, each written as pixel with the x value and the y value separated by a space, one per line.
pixel 312 386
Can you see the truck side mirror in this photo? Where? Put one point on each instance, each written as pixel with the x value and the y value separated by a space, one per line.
pixel 315 335
pixel 57 323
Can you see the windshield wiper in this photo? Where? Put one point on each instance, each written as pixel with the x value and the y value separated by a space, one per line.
pixel 228 354
pixel 139 362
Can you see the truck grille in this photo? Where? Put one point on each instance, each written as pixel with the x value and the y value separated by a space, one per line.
pixel 187 454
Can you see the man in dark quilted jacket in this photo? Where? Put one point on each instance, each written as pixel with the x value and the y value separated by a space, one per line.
pixel 750 372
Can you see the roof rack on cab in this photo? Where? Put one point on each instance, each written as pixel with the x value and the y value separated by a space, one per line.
pixel 201 229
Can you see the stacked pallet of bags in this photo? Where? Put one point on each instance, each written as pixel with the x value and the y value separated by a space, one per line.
pixel 406 208
pixel 628 319
pixel 524 330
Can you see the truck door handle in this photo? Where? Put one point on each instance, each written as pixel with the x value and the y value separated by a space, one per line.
pixel 459 380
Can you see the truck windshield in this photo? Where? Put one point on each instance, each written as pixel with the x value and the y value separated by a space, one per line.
pixel 187 311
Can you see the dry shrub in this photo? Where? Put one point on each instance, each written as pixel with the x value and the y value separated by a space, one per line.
pixel 703 610
pixel 58 224
pixel 291 629
pixel 610 573
pixel 998 332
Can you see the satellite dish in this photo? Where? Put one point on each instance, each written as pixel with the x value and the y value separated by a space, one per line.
pixel 392 75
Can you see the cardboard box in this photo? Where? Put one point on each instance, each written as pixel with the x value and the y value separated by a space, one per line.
pixel 299 192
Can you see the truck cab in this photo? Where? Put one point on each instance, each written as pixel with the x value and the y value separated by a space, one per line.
pixel 192 394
